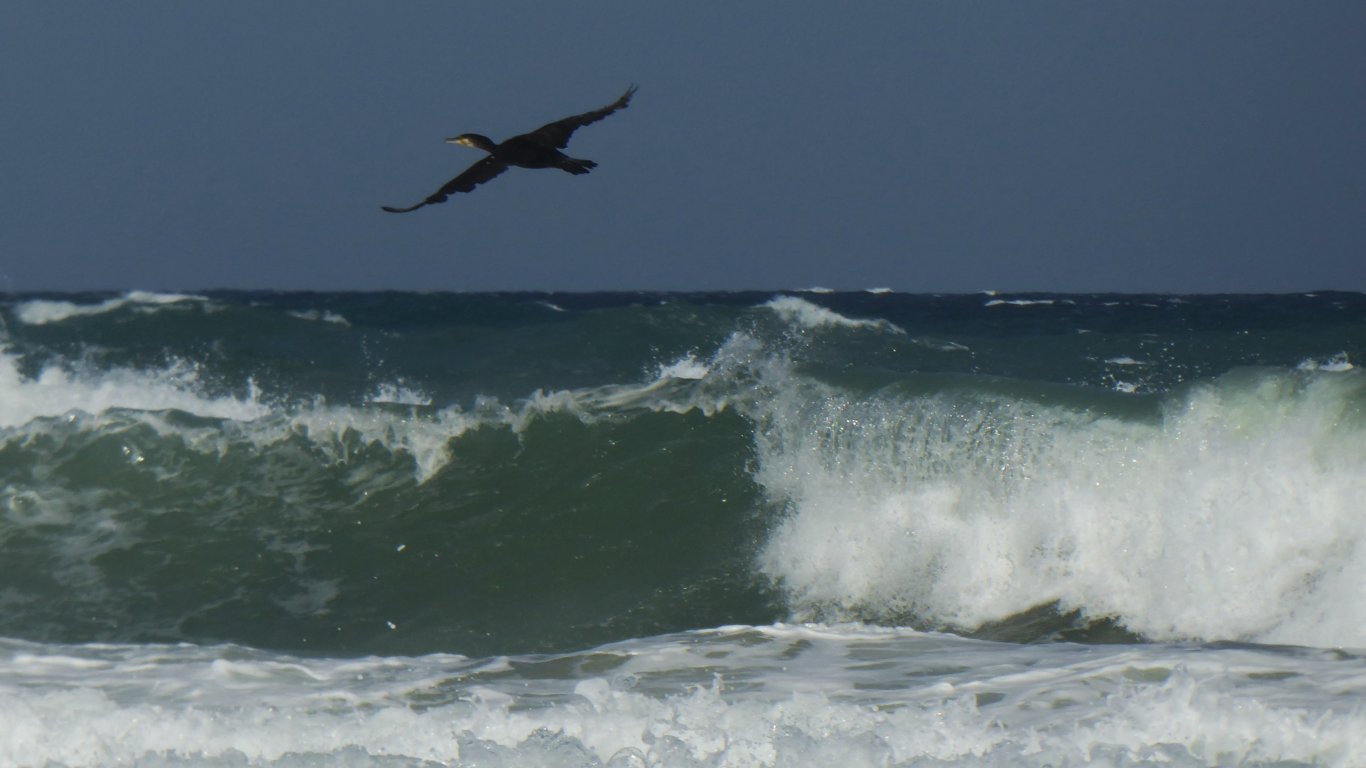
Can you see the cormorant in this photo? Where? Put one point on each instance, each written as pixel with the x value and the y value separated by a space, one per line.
pixel 538 149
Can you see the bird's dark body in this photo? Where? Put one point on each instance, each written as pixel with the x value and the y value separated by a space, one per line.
pixel 538 149
pixel 523 151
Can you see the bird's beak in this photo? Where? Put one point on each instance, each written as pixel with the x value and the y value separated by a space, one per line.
pixel 456 140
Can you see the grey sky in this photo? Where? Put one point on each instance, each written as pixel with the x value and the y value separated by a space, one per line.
pixel 1190 146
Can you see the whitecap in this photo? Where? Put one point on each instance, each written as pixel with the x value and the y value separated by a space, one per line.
pixel 799 311
pixel 42 311
pixel 1338 363
pixel 1020 302
pixel 325 316
pixel 400 393
pixel 687 367
pixel 57 390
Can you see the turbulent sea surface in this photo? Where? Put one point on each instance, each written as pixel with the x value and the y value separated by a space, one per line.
pixel 628 530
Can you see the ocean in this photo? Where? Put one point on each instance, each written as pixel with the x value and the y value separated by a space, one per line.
pixel 796 528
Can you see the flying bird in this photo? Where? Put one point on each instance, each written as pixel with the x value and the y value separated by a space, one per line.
pixel 538 149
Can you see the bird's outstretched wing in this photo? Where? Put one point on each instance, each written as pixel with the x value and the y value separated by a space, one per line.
pixel 557 133
pixel 473 176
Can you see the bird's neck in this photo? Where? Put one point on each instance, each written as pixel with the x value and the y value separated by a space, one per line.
pixel 482 142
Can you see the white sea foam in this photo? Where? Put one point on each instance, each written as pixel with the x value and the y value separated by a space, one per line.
pixel 684 385
pixel 1022 302
pixel 1238 515
pixel 338 430
pixel 400 393
pixel 737 696
pixel 799 311
pixel 324 316
pixel 103 397
pixel 687 367
pixel 41 312
pixel 57 391
pixel 1335 364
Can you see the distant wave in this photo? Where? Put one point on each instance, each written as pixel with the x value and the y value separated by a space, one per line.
pixel 801 312
pixel 1024 302
pixel 320 316
pixel 42 312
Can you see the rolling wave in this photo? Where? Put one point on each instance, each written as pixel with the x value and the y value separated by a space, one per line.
pixel 778 460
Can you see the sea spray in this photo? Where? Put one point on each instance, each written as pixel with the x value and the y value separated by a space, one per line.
pixel 1236 514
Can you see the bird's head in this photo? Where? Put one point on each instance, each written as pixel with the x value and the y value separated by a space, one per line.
pixel 472 140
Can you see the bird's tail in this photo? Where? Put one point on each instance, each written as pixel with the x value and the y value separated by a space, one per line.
pixel 576 166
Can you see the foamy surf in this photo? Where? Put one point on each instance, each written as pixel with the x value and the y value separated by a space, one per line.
pixel 734 696
pixel 1236 515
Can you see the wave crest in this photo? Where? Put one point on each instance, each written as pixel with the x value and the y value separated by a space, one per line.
pixel 800 312
pixel 42 312
pixel 1235 515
